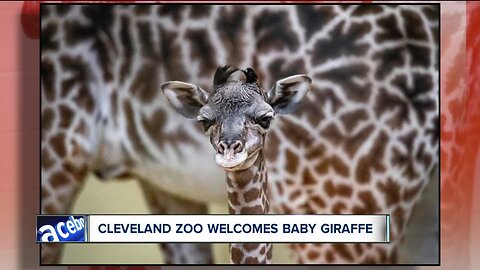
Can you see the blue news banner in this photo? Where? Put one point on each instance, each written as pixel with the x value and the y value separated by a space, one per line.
pixel 61 228
pixel 214 228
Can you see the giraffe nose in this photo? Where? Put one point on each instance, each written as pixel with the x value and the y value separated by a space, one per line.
pixel 236 147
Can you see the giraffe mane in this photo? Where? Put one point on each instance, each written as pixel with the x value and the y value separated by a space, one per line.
pixel 222 74
pixel 251 76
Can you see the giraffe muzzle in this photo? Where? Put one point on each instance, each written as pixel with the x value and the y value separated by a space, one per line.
pixel 236 147
pixel 230 154
pixel 230 159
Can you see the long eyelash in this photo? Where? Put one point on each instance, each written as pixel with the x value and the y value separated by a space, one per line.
pixel 207 124
pixel 258 120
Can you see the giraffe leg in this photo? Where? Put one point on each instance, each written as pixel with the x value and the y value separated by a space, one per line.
pixel 60 187
pixel 161 202
pixel 64 169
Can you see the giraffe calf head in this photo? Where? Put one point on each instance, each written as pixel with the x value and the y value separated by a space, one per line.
pixel 237 114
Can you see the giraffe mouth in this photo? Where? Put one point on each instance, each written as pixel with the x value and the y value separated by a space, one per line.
pixel 239 161
pixel 230 160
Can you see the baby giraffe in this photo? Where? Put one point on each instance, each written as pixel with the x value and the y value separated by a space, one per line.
pixel 236 116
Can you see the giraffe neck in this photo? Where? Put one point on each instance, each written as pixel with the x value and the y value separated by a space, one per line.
pixel 247 189
pixel 247 194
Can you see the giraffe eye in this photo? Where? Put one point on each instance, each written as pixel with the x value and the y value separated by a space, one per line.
pixel 207 123
pixel 264 121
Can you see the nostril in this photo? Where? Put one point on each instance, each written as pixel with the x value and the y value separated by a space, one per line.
pixel 221 147
pixel 237 146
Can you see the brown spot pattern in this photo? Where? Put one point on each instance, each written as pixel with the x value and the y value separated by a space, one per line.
pixel 292 161
pixel 251 260
pixel 59 179
pixel 252 210
pixel 329 256
pixel 338 208
pixel 343 251
pixel 369 204
pixel 48 79
pixel 343 76
pixel 352 119
pixel 372 160
pixel 230 26
pixel 236 255
pixel 233 198
pixel 202 50
pixel 308 178
pixel 344 43
pixel 315 151
pixel 251 195
pixel 390 190
pixel 48 116
pixel 66 116
pixel 47 160
pixel 273 32
pixel 335 163
pixel 312 255
pixel 145 85
pixel 57 143
pixel 131 128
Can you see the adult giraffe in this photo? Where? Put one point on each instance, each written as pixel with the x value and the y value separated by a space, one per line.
pixel 364 141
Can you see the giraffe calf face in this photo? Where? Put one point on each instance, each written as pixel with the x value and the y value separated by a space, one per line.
pixel 237 114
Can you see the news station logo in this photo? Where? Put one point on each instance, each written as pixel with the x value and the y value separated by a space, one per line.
pixel 61 229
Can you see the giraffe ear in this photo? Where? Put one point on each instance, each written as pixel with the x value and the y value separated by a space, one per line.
pixel 287 94
pixel 186 98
